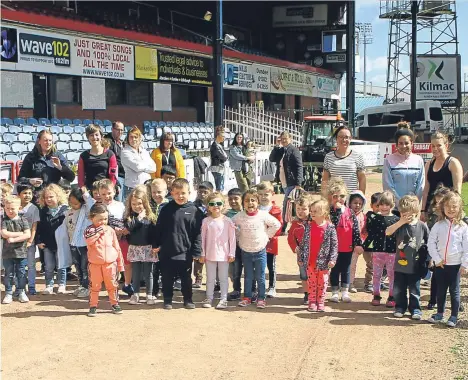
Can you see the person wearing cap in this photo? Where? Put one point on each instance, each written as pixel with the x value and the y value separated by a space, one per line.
pixel 403 171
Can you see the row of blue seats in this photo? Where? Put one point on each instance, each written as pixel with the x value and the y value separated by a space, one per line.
pixel 170 124
pixel 54 121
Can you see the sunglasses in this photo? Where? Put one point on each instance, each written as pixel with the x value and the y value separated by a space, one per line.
pixel 219 204
pixel 342 196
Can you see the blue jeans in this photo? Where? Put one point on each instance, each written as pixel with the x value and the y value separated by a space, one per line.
pixel 287 190
pixel 126 192
pixel 80 259
pixel 32 266
pixel 448 278
pixel 15 267
pixel 219 181
pixel 120 196
pixel 50 258
pixel 401 284
pixel 254 268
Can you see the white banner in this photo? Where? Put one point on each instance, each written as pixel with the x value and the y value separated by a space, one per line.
pixel 46 52
pixel 286 81
pixel 438 78
pixel 326 87
pixel 295 16
pixel 238 76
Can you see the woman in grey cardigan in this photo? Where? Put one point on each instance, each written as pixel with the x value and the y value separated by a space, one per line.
pixel 237 159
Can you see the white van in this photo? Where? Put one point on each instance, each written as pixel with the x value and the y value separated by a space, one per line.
pixel 428 115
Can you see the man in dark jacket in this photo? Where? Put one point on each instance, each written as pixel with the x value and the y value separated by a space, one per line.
pixel 116 146
pixel 177 239
pixel 218 158
pixel 291 172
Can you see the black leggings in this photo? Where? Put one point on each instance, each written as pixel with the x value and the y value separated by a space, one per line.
pixel 271 265
pixel 342 268
pixel 448 277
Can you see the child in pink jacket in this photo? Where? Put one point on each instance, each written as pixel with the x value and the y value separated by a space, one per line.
pixel 218 248
pixel 104 257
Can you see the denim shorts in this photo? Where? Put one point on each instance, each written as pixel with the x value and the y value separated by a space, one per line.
pixel 303 273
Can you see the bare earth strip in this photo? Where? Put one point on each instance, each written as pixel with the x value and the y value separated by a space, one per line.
pixel 51 338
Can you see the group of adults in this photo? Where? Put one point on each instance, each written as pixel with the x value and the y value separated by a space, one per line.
pixel 126 163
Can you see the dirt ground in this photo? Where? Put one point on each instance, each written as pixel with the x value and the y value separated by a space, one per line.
pixel 51 338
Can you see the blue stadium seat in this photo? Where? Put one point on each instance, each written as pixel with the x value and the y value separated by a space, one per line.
pixel 25 137
pixel 127 128
pixel 167 129
pixel 107 128
pixel 146 126
pixel 161 124
pixel 189 124
pixel 55 129
pixel 66 122
pixel 76 146
pixel 176 124
pixel 107 122
pixel 13 129
pixel 55 121
pixel 19 148
pixel 6 121
pixel 154 124
pixel 98 122
pixel 159 132
pixel 87 122
pixel 31 146
pixel 62 146
pixel 151 132
pixel 68 129
pixel 41 128
pixel 19 121
pixel 202 125
pixel 86 145
pixel 31 121
pixel 183 153
pixel 183 124
pixel 63 137
pixel 195 124
pixel 196 129
pixel 152 144
pixel 4 147
pixel 176 129
pixel 28 129
pixel 79 129
pixel 77 122
pixel 189 129
pixel 169 123
pixel 73 156
pixel 44 121
pixel 12 157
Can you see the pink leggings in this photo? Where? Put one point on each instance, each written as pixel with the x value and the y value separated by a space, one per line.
pixel 317 282
pixel 379 261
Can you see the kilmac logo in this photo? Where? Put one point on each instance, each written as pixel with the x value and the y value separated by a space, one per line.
pixel 435 70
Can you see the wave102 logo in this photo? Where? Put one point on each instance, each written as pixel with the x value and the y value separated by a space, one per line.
pixel 42 46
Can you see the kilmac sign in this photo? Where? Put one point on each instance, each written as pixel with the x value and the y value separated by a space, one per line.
pixel 438 78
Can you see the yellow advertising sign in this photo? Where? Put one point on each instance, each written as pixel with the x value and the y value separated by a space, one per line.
pixel 146 63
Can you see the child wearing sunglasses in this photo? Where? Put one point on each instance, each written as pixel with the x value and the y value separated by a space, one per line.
pixel 349 239
pixel 218 235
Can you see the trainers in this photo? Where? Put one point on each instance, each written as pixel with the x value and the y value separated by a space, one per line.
pixel 196 284
pixel 48 290
pixel 62 289
pixel 32 291
pixel 376 301
pixel 335 297
pixel 305 300
pixel 189 305
pixel 223 304
pixel 452 321
pixel 92 312
pixel 116 309
pixel 72 276
pixel 271 293
pixel 16 293
pixel 8 299
pixel 234 296
pixel 390 302
pixel 245 302
pixel 368 288
pixel 207 303
pixel 77 290
pixel 312 307
pixel 167 306
pixel 384 286
pixel 417 315
pixel 352 289
pixel 430 306
pixel 261 304
pixel 436 318
pixel 398 314
pixel 345 296
pixel 84 293
pixel 254 297
pixel 23 298
pixel 134 299
pixel 150 300
pixel 462 308
pixel 128 289
pixel 177 285
pixel 321 308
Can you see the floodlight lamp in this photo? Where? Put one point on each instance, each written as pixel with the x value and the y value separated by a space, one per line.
pixel 229 39
pixel 208 15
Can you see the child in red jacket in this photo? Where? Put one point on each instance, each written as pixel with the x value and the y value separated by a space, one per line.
pixel 265 192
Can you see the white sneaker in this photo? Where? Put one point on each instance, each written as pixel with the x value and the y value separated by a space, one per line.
pixel 150 300
pixel 84 293
pixel 134 299
pixel 223 304
pixel 8 299
pixel 335 297
pixel 23 298
pixel 77 291
pixel 207 303
pixel 271 293
pixel 49 290
pixel 345 296
pixel 62 289
pixel 352 290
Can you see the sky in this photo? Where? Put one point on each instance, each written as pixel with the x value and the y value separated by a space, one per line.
pixel 377 52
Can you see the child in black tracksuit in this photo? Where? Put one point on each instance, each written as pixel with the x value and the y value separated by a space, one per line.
pixel 177 240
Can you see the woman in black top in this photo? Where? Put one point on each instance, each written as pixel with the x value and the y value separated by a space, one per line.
pixel 218 158
pixel 443 169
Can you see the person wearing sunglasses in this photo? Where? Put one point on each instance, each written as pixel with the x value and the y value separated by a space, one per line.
pixel 218 235
pixel 349 239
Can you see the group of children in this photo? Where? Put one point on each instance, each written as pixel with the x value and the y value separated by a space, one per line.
pixel 163 236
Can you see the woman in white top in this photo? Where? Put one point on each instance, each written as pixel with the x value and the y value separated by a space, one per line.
pixel 136 161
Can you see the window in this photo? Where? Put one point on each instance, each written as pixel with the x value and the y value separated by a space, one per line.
pixel 374 119
pixel 67 89
pixel 180 96
pixel 333 41
pixel 359 120
pixel 274 102
pixel 435 114
pixel 115 92
pixel 138 93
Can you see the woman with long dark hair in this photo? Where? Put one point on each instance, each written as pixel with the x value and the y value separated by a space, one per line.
pixel 168 155
pixel 236 160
